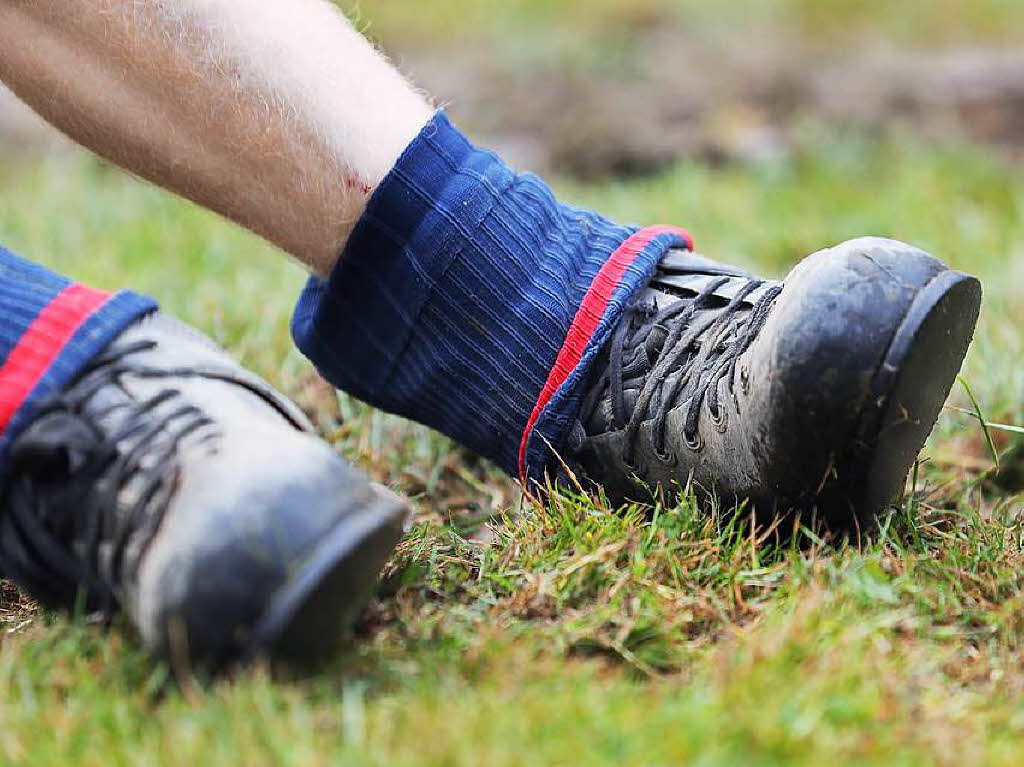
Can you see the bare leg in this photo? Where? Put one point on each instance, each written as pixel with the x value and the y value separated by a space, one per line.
pixel 279 115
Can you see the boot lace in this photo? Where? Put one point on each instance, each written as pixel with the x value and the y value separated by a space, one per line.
pixel 66 505
pixel 683 351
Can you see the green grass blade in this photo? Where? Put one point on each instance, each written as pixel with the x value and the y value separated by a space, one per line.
pixel 981 418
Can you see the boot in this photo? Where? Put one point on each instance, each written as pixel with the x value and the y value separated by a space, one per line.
pixel 169 482
pixel 812 394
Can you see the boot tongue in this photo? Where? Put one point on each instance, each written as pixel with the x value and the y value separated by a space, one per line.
pixel 682 273
pixel 685 262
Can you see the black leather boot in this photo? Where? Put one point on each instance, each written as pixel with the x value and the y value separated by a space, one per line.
pixel 812 394
pixel 169 482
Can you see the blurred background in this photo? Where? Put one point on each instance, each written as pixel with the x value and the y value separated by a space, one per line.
pixel 609 88
pixel 601 88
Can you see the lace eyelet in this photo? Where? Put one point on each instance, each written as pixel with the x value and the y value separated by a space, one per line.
pixel 745 379
pixel 695 443
pixel 666 458
pixel 719 420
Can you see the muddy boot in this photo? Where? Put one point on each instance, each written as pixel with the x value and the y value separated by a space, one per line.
pixel 813 394
pixel 167 481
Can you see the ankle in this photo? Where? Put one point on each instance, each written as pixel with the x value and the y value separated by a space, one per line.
pixel 460 289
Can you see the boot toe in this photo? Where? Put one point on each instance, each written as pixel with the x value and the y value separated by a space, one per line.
pixel 273 544
pixel 865 342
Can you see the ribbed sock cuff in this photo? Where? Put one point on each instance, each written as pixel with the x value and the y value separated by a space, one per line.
pixel 469 299
pixel 50 328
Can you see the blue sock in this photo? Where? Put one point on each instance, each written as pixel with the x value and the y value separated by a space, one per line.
pixel 50 327
pixel 469 299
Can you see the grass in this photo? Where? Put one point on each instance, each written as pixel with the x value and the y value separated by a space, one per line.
pixel 519 25
pixel 506 633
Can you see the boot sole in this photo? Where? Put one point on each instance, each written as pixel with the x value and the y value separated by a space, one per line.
pixel 910 388
pixel 307 618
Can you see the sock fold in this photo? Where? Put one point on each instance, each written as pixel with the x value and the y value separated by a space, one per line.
pixel 469 299
pixel 50 328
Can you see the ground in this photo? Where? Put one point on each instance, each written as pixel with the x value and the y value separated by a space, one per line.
pixel 511 633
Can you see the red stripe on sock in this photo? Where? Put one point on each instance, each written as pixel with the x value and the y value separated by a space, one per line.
pixel 587 318
pixel 48 334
